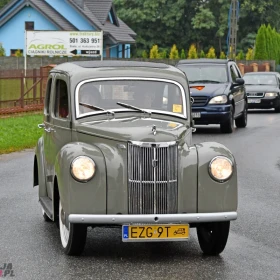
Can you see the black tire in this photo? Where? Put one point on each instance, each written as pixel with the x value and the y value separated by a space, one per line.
pixel 213 237
pixel 277 109
pixel 242 120
pixel 228 125
pixel 77 233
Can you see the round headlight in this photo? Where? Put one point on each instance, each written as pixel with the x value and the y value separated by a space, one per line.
pixel 220 168
pixel 83 168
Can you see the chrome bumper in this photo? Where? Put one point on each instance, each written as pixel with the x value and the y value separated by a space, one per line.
pixel 152 218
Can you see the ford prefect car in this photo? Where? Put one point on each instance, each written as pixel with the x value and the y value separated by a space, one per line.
pixel 117 151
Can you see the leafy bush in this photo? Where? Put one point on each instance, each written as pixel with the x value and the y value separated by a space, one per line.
pixel 18 53
pixel 223 55
pixel 202 54
pixel 240 55
pixel 174 54
pixel 211 53
pixel 144 54
pixel 192 53
pixel 154 52
pixel 183 55
pixel 250 54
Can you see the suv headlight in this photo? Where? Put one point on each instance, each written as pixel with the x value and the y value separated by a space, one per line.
pixel 82 168
pixel 220 168
pixel 221 99
pixel 271 94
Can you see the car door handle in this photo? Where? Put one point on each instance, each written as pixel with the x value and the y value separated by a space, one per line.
pixel 41 125
pixel 49 129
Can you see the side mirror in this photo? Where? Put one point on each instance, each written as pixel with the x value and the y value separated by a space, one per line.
pixel 238 82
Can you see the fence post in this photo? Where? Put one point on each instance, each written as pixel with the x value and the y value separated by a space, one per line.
pixel 22 90
pixel 34 82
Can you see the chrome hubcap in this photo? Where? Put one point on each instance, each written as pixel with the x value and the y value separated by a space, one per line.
pixel 64 231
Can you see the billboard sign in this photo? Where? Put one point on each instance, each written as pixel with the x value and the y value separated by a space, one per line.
pixel 64 43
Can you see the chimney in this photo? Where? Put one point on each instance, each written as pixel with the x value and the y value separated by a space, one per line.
pixel 80 3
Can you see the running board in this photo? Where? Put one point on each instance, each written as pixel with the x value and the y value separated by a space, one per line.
pixel 46 203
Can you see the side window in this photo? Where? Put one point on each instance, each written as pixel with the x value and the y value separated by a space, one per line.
pixel 47 97
pixel 237 71
pixel 233 73
pixel 61 109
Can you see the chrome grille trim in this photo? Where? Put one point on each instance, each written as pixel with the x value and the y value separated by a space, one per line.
pixel 152 177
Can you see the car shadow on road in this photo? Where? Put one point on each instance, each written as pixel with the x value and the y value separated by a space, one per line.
pixel 261 111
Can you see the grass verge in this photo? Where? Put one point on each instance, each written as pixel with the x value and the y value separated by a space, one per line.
pixel 19 132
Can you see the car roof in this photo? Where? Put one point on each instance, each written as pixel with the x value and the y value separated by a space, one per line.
pixel 204 61
pixel 261 73
pixel 84 70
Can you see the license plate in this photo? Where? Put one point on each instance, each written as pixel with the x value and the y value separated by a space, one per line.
pixel 196 115
pixel 154 232
pixel 251 100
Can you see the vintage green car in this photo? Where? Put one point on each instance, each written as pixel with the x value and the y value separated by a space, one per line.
pixel 117 151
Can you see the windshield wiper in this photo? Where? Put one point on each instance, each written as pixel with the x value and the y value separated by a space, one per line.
pixel 133 107
pixel 93 107
pixel 204 81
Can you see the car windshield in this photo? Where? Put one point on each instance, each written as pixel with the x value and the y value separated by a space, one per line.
pixel 260 79
pixel 103 96
pixel 205 73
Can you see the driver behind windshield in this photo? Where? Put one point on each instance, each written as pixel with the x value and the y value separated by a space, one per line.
pixel 89 95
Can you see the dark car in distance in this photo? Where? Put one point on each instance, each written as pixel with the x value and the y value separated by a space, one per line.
pixel 218 92
pixel 263 90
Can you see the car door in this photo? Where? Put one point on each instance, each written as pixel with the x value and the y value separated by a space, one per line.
pixel 60 124
pixel 47 132
pixel 237 91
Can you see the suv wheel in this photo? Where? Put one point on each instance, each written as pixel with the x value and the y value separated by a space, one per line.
pixel 277 109
pixel 228 125
pixel 212 237
pixel 242 121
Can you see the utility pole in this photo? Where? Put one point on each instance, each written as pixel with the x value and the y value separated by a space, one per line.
pixel 234 14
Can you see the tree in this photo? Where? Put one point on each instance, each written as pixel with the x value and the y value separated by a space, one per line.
pixel 211 53
pixel 2 50
pixel 260 49
pixel 192 53
pixel 154 52
pixel 3 3
pixel 174 54
pixel 163 54
pixel 18 53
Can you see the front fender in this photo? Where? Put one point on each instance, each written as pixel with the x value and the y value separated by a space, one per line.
pixel 77 197
pixel 212 195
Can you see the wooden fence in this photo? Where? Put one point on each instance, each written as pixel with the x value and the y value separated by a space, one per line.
pixel 22 91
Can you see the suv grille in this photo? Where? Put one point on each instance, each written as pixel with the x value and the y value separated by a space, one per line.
pixel 152 178
pixel 199 100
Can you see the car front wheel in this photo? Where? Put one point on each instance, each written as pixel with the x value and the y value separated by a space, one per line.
pixel 228 125
pixel 73 237
pixel 242 121
pixel 212 237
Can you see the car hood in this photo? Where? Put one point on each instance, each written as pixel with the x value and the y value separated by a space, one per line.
pixel 209 90
pixel 261 88
pixel 135 129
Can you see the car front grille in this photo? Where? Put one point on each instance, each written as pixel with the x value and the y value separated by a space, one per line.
pixel 152 178
pixel 199 100
pixel 255 94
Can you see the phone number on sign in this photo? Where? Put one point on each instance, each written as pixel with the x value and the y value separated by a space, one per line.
pixel 84 40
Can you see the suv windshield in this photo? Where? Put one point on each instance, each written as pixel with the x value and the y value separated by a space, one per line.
pixel 260 79
pixel 102 96
pixel 205 73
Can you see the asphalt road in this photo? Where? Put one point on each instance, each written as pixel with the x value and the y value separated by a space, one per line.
pixel 33 247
